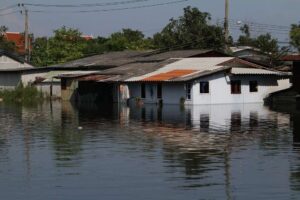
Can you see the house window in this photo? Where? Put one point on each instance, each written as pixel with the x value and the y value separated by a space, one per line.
pixel 143 91
pixel 188 88
pixel 236 87
pixel 253 86
pixel 204 87
pixel 63 84
pixel 159 91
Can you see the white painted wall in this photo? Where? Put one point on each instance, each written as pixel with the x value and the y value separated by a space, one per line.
pixel 219 90
pixel 9 63
pixel 29 77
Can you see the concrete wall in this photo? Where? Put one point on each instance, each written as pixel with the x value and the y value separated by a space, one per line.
pixel 29 77
pixel 219 90
pixel 171 92
pixel 46 88
pixel 8 81
pixel 69 93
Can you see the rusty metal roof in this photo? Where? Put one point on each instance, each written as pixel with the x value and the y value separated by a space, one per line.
pixel 169 75
pixel 291 58
pixel 97 77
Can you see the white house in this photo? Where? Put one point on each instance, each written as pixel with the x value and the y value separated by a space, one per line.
pixel 208 80
pixel 14 71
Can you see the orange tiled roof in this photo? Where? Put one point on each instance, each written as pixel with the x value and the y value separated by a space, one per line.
pixel 18 39
pixel 169 75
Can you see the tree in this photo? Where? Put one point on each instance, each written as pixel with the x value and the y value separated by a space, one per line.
pixel 295 36
pixel 190 31
pixel 40 54
pixel 245 39
pixel 4 44
pixel 267 44
pixel 66 45
pixel 128 39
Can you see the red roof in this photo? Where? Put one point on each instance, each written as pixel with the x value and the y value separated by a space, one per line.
pixel 169 75
pixel 291 58
pixel 18 39
pixel 87 37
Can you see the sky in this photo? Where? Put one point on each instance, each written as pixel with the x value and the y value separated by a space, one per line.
pixel 273 16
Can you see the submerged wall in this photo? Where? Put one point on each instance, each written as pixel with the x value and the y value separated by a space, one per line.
pixel 219 90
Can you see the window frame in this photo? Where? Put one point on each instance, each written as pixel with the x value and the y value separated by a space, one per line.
pixel 143 90
pixel 203 89
pixel 159 91
pixel 188 91
pixel 236 86
pixel 251 87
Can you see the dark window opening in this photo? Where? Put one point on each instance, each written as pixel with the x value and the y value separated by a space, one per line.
pixel 253 86
pixel 236 87
pixel 63 84
pixel 204 87
pixel 159 91
pixel 143 91
pixel 188 91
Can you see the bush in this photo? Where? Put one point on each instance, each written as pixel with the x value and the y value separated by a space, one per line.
pixel 21 94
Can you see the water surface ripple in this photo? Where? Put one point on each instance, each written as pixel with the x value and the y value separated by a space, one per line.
pixel 61 151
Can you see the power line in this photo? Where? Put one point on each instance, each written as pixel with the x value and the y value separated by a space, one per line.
pixel 86 4
pixel 8 7
pixel 112 9
pixel 9 13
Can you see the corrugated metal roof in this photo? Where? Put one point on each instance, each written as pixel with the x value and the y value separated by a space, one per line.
pixel 255 71
pixel 75 74
pixel 169 75
pixel 291 57
pixel 196 64
pixel 97 77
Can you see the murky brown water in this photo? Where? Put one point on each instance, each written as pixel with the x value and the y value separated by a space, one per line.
pixel 201 152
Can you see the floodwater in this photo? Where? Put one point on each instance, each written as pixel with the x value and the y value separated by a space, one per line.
pixel 61 151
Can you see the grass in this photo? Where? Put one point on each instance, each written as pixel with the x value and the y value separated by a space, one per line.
pixel 21 94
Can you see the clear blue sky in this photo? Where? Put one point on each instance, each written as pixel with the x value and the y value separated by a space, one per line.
pixel 151 20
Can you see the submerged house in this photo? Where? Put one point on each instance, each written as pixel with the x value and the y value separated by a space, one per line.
pixel 184 77
pixel 120 66
pixel 214 80
pixel 14 71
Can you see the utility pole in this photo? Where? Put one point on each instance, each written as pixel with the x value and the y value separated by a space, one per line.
pixel 26 33
pixel 26 36
pixel 226 24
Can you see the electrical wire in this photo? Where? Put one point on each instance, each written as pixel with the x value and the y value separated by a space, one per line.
pixel 86 4
pixel 112 9
pixel 8 7
pixel 9 13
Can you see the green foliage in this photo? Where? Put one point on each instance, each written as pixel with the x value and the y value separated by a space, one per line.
pixel 190 31
pixel 4 44
pixel 21 94
pixel 66 45
pixel 295 36
pixel 267 44
pixel 245 39
pixel 127 39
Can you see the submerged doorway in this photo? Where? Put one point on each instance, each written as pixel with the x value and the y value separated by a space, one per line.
pixel 90 91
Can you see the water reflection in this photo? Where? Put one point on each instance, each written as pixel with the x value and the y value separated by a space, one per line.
pixel 214 149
